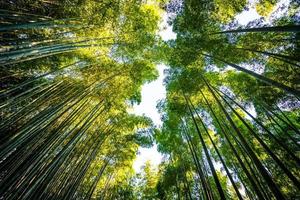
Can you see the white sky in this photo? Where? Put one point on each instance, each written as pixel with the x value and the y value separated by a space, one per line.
pixel 154 91
pixel 247 16
pixel 151 94
pixel 165 30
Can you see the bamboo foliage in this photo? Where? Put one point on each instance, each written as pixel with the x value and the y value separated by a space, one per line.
pixel 71 71
pixel 61 117
pixel 210 86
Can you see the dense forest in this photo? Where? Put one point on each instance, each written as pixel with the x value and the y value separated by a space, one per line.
pixel 71 70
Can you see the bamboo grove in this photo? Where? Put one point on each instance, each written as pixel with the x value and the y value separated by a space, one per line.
pixel 72 70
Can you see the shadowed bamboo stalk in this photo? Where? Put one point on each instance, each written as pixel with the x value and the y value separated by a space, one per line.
pixel 264 145
pixel 207 193
pixel 218 153
pixel 223 127
pixel 290 28
pixel 219 187
pixel 281 57
pixel 259 77
pixel 277 193
pixel 285 147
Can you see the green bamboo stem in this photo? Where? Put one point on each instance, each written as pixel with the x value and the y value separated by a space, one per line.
pixel 277 193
